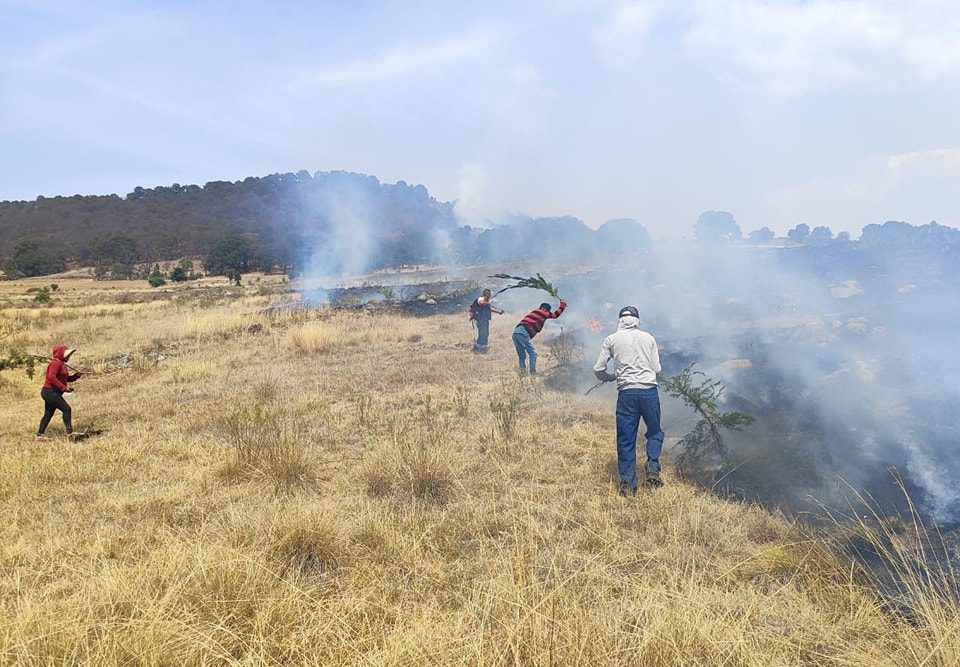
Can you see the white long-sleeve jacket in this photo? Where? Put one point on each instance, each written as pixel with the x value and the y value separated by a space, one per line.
pixel 635 355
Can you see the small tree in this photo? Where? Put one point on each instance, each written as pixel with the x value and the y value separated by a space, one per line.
pixel 799 233
pixel 761 236
pixel 156 278
pixel 715 226
pixel 820 235
pixel 182 271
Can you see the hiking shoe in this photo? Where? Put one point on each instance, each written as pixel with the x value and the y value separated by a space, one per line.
pixel 653 480
pixel 77 436
pixel 627 490
pixel 41 438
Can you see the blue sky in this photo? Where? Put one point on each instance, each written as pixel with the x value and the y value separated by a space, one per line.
pixel 831 112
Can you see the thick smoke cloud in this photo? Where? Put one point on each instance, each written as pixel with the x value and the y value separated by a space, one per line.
pixel 852 363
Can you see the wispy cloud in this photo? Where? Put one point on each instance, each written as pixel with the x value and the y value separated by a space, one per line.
pixel 401 62
pixel 937 158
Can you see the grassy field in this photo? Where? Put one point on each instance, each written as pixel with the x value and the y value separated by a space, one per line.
pixel 344 488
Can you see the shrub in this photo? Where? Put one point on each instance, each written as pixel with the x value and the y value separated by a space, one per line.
pixel 566 348
pixel 156 278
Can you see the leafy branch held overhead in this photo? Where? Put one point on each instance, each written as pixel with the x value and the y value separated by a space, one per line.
pixel 537 282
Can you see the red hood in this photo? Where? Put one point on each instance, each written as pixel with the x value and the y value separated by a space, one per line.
pixel 59 351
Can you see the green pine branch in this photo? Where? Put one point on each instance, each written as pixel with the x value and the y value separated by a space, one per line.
pixel 537 282
pixel 703 394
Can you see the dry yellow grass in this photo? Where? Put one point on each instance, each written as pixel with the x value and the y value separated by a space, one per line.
pixel 335 489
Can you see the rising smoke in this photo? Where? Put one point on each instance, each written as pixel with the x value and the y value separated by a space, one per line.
pixel 354 223
pixel 843 352
pixel 851 370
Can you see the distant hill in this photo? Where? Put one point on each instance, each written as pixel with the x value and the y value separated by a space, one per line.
pixel 328 221
pixel 281 214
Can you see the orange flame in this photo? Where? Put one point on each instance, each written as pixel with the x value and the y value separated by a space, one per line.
pixel 594 324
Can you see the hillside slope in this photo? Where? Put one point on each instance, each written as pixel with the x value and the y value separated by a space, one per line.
pixel 280 212
pixel 338 488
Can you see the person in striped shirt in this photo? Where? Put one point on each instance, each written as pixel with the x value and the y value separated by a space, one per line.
pixel 529 327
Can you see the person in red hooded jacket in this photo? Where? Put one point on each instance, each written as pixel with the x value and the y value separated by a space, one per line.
pixel 54 385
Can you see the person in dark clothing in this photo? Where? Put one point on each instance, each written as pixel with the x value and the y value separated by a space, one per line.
pixel 54 386
pixel 529 327
pixel 480 312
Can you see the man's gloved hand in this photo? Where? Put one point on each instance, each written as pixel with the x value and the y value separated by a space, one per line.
pixel 604 376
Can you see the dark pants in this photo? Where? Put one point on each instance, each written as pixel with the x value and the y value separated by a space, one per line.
pixel 483 334
pixel 632 406
pixel 53 401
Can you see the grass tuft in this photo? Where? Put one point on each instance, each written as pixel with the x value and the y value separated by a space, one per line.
pixel 263 443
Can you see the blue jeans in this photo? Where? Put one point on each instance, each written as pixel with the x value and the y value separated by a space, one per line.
pixel 633 405
pixel 483 334
pixel 521 340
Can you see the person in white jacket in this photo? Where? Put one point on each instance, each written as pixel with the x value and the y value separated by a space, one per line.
pixel 636 365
